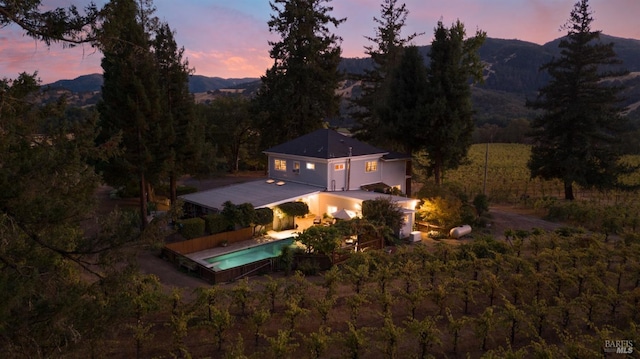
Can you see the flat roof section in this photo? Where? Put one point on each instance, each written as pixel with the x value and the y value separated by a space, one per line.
pixel 369 195
pixel 261 193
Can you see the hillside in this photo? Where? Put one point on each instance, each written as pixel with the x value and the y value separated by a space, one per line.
pixel 197 83
pixel 511 77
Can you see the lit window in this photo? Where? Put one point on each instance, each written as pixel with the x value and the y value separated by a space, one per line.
pixel 280 165
pixel 371 166
pixel 339 167
pixel 311 166
pixel 296 167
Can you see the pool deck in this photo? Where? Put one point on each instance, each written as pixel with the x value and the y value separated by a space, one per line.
pixel 200 257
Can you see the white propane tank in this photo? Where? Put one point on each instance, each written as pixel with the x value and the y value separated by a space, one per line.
pixel 457 232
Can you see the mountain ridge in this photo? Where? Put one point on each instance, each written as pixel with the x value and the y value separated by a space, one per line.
pixel 511 77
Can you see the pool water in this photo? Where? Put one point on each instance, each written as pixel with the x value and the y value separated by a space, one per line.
pixel 248 255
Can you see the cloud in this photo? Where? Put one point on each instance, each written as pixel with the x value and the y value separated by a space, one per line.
pixel 230 38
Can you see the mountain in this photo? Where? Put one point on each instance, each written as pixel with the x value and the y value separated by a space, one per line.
pixel 85 83
pixel 197 83
pixel 511 77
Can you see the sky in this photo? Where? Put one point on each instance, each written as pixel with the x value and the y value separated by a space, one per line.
pixel 229 39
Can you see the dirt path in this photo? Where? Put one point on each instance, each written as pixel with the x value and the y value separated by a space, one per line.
pixel 508 217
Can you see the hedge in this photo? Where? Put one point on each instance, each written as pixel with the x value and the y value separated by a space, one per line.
pixel 216 223
pixel 191 228
pixel 294 209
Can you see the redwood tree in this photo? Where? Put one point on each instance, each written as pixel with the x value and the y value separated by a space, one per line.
pixel 577 136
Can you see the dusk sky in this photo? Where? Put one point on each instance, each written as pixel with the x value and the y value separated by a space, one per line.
pixel 229 39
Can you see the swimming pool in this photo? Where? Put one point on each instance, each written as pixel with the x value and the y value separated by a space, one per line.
pixel 248 255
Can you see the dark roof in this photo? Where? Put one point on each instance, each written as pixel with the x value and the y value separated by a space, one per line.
pixel 325 143
pixel 396 156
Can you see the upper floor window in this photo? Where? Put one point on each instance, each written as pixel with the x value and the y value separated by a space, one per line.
pixel 311 166
pixel 280 165
pixel 371 166
pixel 296 167
pixel 339 167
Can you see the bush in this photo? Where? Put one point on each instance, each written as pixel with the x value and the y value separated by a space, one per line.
pixel 294 209
pixel 216 223
pixel 568 231
pixel 191 228
pixel 308 267
pixel 481 203
pixel 483 247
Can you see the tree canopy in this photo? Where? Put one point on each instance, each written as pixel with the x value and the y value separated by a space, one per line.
pixel 577 135
pixel 407 103
pixel 182 136
pixel 298 92
pixel 386 52
pixel 130 103
pixel 66 25
pixel 454 66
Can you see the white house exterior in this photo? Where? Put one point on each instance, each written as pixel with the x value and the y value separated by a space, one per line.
pixel 328 171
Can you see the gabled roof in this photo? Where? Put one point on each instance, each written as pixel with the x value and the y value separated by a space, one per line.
pixel 325 144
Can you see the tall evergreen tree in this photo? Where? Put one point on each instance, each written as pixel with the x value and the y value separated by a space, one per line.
pixel 298 91
pixel 454 65
pixel 130 103
pixel 182 134
pixel 577 136
pixel 407 103
pixel 386 52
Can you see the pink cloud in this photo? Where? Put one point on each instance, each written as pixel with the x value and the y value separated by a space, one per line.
pixel 230 39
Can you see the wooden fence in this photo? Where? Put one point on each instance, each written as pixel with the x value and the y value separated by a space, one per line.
pixel 187 265
pixel 176 253
pixel 212 241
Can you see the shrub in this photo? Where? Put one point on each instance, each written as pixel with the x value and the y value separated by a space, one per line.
pixel 191 228
pixel 294 209
pixel 264 216
pixel 308 267
pixel 481 203
pixel 568 231
pixel 216 223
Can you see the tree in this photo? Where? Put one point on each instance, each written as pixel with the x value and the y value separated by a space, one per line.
pixel 383 212
pixel 182 136
pixel 320 240
pixel 407 100
pixel 454 65
pixel 298 91
pixel 58 280
pixel 130 103
pixel 386 51
pixel 232 127
pixel 56 25
pixel 576 139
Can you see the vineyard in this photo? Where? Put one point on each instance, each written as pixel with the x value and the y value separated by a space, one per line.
pixel 569 293
pixel 538 295
pixel 508 179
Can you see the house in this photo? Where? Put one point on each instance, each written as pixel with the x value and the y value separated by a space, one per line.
pixel 329 171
